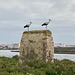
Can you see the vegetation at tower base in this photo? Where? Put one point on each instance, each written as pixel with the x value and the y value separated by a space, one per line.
pixel 11 66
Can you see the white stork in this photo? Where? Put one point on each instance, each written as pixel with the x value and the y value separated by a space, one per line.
pixel 46 23
pixel 28 25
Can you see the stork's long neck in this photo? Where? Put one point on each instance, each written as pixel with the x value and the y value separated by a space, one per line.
pixel 49 21
pixel 30 23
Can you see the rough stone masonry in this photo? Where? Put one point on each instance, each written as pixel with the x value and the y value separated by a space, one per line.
pixel 36 45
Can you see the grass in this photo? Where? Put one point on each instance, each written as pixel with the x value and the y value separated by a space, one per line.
pixel 11 66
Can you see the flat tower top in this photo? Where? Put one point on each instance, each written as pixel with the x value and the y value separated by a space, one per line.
pixel 37 31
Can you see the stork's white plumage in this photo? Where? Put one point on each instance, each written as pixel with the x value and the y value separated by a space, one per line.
pixel 28 25
pixel 46 23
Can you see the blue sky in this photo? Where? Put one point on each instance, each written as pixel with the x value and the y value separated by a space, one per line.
pixel 14 14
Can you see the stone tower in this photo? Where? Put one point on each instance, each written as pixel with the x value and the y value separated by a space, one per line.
pixel 37 45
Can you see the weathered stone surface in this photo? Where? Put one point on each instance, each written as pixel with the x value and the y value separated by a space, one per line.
pixel 37 45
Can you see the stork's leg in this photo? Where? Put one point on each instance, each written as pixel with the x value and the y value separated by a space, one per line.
pixel 46 27
pixel 28 28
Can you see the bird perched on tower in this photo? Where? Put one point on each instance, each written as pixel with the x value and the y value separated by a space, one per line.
pixel 46 23
pixel 28 25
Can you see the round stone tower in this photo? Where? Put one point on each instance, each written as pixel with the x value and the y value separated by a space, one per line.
pixel 36 45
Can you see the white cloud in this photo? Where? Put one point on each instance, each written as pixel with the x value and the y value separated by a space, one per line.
pixel 11 4
pixel 59 9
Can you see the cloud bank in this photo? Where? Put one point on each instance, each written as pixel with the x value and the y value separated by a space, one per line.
pixel 14 14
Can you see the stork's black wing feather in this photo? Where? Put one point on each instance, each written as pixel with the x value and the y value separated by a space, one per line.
pixel 44 24
pixel 26 26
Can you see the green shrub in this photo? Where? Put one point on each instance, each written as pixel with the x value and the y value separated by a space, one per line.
pixel 11 66
pixel 15 74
